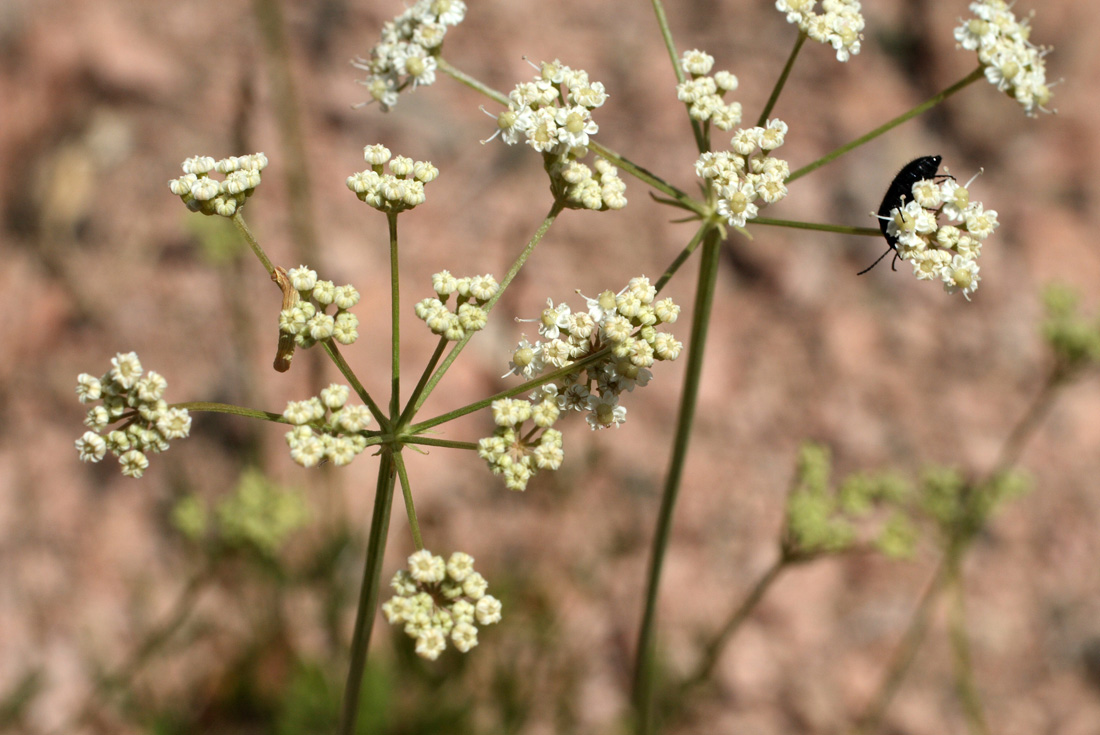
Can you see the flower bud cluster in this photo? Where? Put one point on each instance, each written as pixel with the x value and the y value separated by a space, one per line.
pixel 406 55
pixel 703 93
pixel 744 175
pixel 553 115
pixel 441 600
pixel 947 252
pixel 130 395
pixel 624 323
pixel 840 25
pixel 326 428
pixel 306 319
pixel 201 193
pixel 401 189
pixel 1012 64
pixel 474 292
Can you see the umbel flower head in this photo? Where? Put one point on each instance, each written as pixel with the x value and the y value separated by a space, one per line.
pixel 306 319
pixel 127 394
pixel 202 193
pixel 746 174
pixel 469 315
pixel 703 93
pixel 439 600
pixel 553 115
pixel 625 323
pixel 326 428
pixel 949 252
pixel 401 189
pixel 840 25
pixel 406 55
pixel 1012 63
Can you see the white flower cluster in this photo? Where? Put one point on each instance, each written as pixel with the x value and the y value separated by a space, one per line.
pixel 401 189
pixel 553 115
pixel 745 174
pixel 949 252
pixel 326 428
pixel 438 600
pixel 203 194
pixel 307 321
pixel 469 315
pixel 704 91
pixel 136 398
pixel 1012 64
pixel 406 55
pixel 840 25
pixel 626 322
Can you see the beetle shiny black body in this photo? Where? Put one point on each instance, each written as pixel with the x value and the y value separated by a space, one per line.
pixel 900 191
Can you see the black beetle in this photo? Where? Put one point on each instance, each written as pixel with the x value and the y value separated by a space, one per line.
pixel 901 189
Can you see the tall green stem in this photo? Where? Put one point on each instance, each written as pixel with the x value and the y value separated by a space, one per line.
pixel 395 320
pixel 368 593
pixel 782 81
pixel 704 300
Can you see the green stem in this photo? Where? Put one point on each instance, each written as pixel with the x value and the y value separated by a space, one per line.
pixel 739 615
pixel 349 375
pixel 251 413
pixel 965 687
pixel 704 301
pixel 444 66
pixel 642 174
pixel 395 319
pixel 782 81
pixel 406 415
pixel 242 227
pixel 701 142
pixel 410 509
pixel 1025 428
pixel 432 442
pixel 795 225
pixel 555 210
pixel 368 593
pixel 924 106
pixel 682 257
pixel 905 653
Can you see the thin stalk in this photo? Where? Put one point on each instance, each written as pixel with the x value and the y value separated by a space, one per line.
pixel 462 78
pixel 647 177
pixel 210 407
pixel 1029 422
pixel 795 225
pixel 242 227
pixel 739 615
pixel 406 415
pixel 682 257
pixel 782 81
pixel 410 509
pixel 965 687
pixel 552 215
pixel 395 319
pixel 922 107
pixel 645 655
pixel 904 655
pixel 432 442
pixel 368 593
pixel 349 375
pixel 674 56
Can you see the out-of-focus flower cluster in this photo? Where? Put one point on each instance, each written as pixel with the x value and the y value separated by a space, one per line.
pixel 703 93
pixel 439 600
pixel 401 189
pixel 306 319
pixel 745 174
pixel 822 520
pixel 948 253
pixel 406 55
pixel 553 115
pixel 1012 63
pixel 469 314
pixel 128 394
pixel 326 428
pixel 626 322
pixel 201 193
pixel 840 25
pixel 1074 337
pixel 259 515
